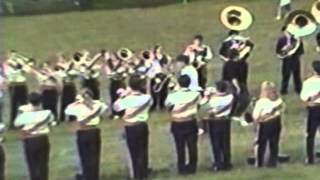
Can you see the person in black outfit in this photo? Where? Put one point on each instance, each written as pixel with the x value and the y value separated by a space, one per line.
pixel 289 49
pixel 34 123
pixel 240 43
pixel 17 87
pixel 232 74
pixel 184 126
pixel 2 153
pixel 218 106
pixel 311 100
pixel 160 66
pixel 318 42
pixel 116 71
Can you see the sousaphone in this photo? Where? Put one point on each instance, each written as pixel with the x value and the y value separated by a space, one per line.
pixel 236 18
pixel 124 54
pixel 315 10
pixel 300 23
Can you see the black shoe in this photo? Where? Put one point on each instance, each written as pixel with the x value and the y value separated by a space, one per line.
pixel 309 161
pixel 79 177
pixel 227 167
pixel 216 168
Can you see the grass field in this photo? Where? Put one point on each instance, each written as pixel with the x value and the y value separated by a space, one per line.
pixel 173 25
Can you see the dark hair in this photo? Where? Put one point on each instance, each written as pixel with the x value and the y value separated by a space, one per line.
pixel 136 83
pixel 35 98
pixel 233 32
pixel 233 54
pixel 316 66
pixel 88 92
pixel 198 37
pixel 221 86
pixel 184 81
pixel 183 58
pixel 146 54
pixel 284 28
pixel 77 56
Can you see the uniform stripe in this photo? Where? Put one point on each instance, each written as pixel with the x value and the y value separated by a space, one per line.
pixel 224 109
pixel 186 106
pixel 138 110
pixel 90 117
pixel 38 125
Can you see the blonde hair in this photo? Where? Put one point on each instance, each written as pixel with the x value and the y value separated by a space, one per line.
pixel 269 90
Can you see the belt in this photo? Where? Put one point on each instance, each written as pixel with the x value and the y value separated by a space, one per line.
pixel 48 87
pixel 183 119
pixel 128 124
pixel 214 118
pixel 26 135
pixel 85 128
pixel 17 83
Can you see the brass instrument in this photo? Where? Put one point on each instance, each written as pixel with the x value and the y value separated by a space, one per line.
pixel 16 59
pixel 298 23
pixel 236 18
pixel 315 10
pixel 170 79
pixel 124 54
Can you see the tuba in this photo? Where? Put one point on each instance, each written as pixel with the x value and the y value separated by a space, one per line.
pixel 298 23
pixel 124 54
pixel 236 18
pixel 315 10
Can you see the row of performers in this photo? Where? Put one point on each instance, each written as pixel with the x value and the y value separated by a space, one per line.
pixel 154 64
pixel 216 106
pixel 60 76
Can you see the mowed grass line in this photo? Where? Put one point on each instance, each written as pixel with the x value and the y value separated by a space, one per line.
pixel 172 26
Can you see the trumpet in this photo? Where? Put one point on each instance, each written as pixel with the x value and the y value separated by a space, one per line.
pixel 21 59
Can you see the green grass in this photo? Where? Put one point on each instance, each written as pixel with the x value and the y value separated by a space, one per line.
pixel 173 25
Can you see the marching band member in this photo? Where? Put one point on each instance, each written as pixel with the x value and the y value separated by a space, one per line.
pixel 67 72
pixel 318 42
pixel 15 75
pixel 267 114
pixel 199 54
pixel 244 46
pixel 310 96
pixel 218 105
pixel 2 152
pixel 160 73
pixel 115 68
pixel 187 69
pixel 50 86
pixel 90 72
pixel 2 91
pixel 183 104
pixel 289 49
pixel 34 122
pixel 231 73
pixel 88 115
pixel 136 104
pixel 237 19
pixel 283 8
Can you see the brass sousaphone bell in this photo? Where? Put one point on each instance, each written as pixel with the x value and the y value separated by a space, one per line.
pixel 300 23
pixel 124 54
pixel 236 18
pixel 315 10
